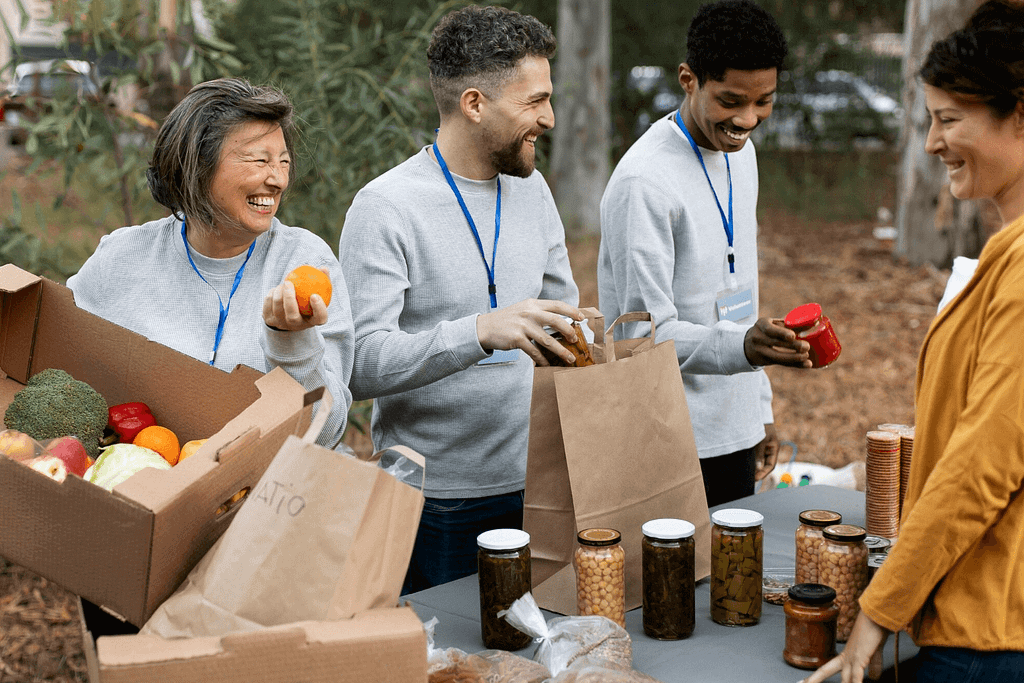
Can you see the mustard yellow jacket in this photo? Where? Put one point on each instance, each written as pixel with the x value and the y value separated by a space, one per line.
pixel 956 573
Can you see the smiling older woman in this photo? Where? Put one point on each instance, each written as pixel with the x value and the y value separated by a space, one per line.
pixel 209 280
pixel 955 576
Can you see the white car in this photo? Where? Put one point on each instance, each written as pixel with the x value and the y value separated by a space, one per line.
pixel 35 82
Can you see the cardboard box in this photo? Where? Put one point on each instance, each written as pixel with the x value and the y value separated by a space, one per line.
pixel 377 646
pixel 127 550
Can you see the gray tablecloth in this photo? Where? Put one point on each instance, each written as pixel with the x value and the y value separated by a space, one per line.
pixel 714 652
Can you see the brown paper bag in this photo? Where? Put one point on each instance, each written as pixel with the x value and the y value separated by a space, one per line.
pixel 611 445
pixel 322 536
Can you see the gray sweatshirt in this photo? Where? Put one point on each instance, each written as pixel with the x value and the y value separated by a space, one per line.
pixel 418 283
pixel 140 278
pixel 663 250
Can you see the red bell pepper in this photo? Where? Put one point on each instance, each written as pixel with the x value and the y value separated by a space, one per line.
pixel 128 419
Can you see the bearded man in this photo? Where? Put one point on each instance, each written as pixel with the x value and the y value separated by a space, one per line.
pixel 458 262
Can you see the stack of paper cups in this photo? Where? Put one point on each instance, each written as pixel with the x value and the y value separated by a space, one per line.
pixel 883 483
pixel 906 453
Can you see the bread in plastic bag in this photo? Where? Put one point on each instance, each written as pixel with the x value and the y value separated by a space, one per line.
pixel 452 665
pixel 571 642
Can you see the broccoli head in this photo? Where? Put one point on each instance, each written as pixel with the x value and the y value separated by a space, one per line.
pixel 53 404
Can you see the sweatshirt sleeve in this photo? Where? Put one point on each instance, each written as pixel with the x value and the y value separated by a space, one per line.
pixel 322 355
pixel 643 265
pixel 978 472
pixel 372 252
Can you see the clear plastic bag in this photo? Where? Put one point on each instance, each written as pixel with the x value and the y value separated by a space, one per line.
pixel 401 468
pixel 572 642
pixel 452 665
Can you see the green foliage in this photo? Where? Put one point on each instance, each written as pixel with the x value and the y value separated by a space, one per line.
pixel 356 73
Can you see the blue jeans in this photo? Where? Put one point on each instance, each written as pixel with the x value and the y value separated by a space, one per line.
pixel 960 665
pixel 445 547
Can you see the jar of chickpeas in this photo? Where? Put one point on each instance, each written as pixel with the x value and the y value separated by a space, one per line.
pixel 808 537
pixel 737 562
pixel 843 565
pixel 601 574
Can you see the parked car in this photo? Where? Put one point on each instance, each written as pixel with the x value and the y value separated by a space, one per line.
pixel 25 98
pixel 832 109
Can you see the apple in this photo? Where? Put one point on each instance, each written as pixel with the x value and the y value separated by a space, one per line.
pixel 70 451
pixel 17 445
pixel 49 465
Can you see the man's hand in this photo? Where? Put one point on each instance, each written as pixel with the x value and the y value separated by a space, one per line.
pixel 281 310
pixel 769 342
pixel 521 326
pixel 865 638
pixel 766 453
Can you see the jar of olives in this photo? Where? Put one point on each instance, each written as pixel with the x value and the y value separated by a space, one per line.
pixel 668 578
pixel 811 617
pixel 601 574
pixel 843 565
pixel 737 561
pixel 503 563
pixel 808 537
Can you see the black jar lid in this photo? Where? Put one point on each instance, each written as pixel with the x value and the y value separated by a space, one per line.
pixel 812 593
pixel 848 533
pixel 599 537
pixel 821 518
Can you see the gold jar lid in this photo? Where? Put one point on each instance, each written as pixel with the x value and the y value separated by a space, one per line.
pixel 599 537
pixel 848 533
pixel 820 517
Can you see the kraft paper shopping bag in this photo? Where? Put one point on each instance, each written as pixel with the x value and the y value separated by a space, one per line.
pixel 611 445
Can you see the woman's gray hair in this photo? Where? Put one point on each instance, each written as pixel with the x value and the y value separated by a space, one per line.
pixel 189 142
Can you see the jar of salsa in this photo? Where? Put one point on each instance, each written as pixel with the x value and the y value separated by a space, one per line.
pixel 580 348
pixel 668 579
pixel 600 564
pixel 811 617
pixel 503 563
pixel 815 328
pixel 737 563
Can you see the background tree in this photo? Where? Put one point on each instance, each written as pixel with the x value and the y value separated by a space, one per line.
pixel 581 154
pixel 933 227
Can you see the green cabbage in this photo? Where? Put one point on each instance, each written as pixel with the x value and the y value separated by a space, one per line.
pixel 120 461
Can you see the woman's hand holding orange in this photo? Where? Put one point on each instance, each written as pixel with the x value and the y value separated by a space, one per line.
pixel 281 307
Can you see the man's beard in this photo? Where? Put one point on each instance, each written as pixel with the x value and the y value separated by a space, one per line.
pixel 510 159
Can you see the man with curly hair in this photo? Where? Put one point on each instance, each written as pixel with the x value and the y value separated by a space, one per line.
pixel 679 239
pixel 460 262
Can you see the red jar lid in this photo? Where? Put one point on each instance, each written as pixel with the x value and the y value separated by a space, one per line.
pixel 802 316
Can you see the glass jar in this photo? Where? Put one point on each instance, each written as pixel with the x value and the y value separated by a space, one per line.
pixel 580 349
pixel 668 579
pixel 843 565
pixel 814 328
pixel 737 561
pixel 601 574
pixel 808 536
pixel 503 563
pixel 811 618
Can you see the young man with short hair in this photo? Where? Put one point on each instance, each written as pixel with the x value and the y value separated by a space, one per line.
pixel 679 239
pixel 459 260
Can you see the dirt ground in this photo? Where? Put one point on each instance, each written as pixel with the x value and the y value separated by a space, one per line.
pixel 879 308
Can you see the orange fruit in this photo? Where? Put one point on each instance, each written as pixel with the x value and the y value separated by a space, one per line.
pixel 190 447
pixel 309 281
pixel 159 439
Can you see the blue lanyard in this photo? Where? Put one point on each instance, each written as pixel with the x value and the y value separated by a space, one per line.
pixel 491 288
pixel 727 222
pixel 223 309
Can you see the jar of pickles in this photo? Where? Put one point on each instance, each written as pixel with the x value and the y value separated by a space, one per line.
pixel 811 618
pixel 503 562
pixel 668 578
pixel 737 561
pixel 843 565
pixel 601 574
pixel 808 537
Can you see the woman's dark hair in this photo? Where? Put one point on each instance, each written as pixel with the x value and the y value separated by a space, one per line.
pixel 984 60
pixel 188 145
pixel 733 34
pixel 481 47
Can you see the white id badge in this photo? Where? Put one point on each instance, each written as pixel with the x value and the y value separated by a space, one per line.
pixel 505 357
pixel 735 305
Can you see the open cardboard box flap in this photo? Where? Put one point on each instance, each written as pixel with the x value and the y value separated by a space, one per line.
pixel 127 550
pixel 377 646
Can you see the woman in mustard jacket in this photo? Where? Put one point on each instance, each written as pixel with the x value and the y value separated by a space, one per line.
pixel 956 575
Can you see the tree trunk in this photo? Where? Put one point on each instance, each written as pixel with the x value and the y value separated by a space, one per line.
pixel 933 226
pixel 581 150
